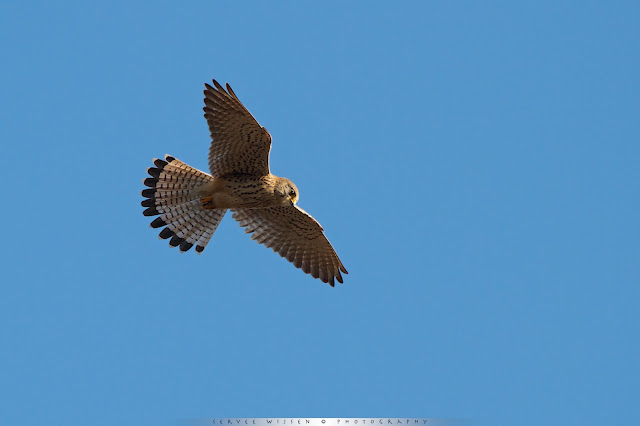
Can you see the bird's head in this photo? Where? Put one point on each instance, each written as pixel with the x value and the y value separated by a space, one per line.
pixel 287 191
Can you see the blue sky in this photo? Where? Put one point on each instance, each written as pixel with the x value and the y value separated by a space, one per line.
pixel 475 166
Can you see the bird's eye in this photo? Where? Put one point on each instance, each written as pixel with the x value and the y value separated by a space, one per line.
pixel 292 193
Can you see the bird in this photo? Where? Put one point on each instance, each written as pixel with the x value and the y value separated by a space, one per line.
pixel 190 204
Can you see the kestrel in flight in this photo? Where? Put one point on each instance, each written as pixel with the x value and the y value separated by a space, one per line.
pixel 190 203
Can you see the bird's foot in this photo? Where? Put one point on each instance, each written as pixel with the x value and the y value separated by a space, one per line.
pixel 207 203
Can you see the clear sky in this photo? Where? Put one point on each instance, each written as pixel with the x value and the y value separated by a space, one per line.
pixel 475 165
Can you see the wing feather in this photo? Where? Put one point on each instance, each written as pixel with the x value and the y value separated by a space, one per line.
pixel 296 236
pixel 238 143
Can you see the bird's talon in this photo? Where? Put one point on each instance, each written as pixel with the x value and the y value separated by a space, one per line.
pixel 207 203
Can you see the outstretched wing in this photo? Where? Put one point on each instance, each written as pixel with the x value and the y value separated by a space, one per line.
pixel 294 234
pixel 238 143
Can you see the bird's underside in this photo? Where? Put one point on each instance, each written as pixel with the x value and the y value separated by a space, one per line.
pixel 238 191
pixel 190 203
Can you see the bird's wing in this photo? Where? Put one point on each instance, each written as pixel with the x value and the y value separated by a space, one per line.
pixel 294 234
pixel 238 143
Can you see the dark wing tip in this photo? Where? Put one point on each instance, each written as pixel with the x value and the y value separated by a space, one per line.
pixel 218 86
pixel 199 249
pixel 231 92
pixel 169 158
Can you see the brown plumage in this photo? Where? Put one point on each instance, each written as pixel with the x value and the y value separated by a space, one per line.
pixel 190 203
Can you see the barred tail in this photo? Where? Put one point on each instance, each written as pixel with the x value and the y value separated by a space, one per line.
pixel 171 195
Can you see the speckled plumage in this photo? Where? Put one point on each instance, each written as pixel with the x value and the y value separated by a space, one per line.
pixel 190 203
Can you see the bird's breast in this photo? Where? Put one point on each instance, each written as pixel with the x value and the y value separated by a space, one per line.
pixel 247 192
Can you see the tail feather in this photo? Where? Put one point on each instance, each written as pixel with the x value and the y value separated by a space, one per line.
pixel 171 196
pixel 212 220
